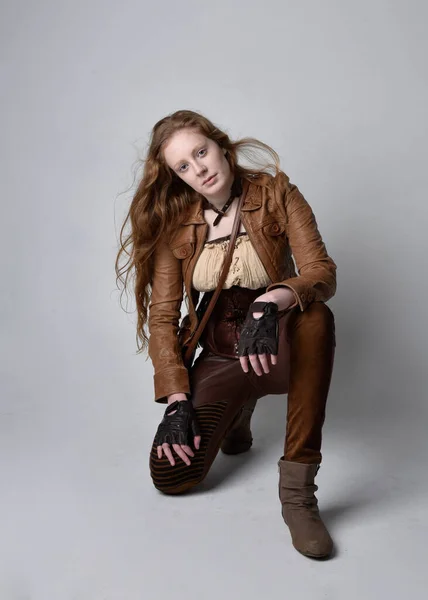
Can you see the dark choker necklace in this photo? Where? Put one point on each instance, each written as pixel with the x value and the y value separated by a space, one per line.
pixel 235 190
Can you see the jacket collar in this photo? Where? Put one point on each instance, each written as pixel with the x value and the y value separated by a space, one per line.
pixel 252 201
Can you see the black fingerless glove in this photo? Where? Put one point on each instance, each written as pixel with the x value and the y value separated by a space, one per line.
pixel 175 429
pixel 260 336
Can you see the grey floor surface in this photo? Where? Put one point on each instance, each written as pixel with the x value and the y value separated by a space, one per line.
pixel 80 519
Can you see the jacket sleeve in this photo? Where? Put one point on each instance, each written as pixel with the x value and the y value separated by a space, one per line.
pixel 317 271
pixel 170 375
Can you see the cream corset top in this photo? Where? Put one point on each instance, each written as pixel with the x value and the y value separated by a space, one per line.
pixel 246 269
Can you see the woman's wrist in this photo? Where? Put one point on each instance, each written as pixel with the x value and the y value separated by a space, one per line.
pixel 282 296
pixel 180 396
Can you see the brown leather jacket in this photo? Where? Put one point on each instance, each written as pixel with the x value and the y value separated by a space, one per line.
pixel 279 223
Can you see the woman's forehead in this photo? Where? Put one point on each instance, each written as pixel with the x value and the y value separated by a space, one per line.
pixel 182 142
pixel 186 136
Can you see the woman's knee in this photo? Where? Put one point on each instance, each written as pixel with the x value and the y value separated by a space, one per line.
pixel 214 420
pixel 176 479
pixel 316 320
pixel 318 314
pixel 319 311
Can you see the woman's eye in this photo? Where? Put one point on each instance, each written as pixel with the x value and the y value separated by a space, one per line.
pixel 182 167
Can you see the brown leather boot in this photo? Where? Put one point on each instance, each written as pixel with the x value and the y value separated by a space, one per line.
pixel 300 509
pixel 239 438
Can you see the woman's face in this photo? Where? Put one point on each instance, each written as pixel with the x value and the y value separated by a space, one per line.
pixel 195 159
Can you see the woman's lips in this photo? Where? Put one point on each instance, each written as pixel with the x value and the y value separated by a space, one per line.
pixel 210 179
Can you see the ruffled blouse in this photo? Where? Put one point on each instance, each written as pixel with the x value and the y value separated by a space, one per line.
pixel 246 269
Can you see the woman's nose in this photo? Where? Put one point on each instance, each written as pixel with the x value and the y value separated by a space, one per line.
pixel 201 169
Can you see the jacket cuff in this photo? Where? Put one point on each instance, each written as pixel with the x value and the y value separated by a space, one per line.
pixel 170 381
pixel 302 292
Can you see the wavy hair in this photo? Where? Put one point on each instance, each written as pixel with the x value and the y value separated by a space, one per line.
pixel 161 197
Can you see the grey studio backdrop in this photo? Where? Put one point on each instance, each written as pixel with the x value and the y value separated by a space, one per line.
pixel 339 89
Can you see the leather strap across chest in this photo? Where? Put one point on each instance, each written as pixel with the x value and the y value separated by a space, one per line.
pixel 225 269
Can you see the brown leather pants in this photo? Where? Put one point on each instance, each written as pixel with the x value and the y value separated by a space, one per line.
pixel 220 388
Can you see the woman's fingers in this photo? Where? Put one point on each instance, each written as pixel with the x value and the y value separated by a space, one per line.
pixel 254 360
pixel 178 450
pixel 182 451
pixel 264 362
pixel 255 363
pixel 244 363
pixel 259 362
pixel 188 450
pixel 168 453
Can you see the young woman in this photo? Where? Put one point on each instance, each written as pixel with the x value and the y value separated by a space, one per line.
pixel 270 331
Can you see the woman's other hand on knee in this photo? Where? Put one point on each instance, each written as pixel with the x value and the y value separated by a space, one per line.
pixel 258 341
